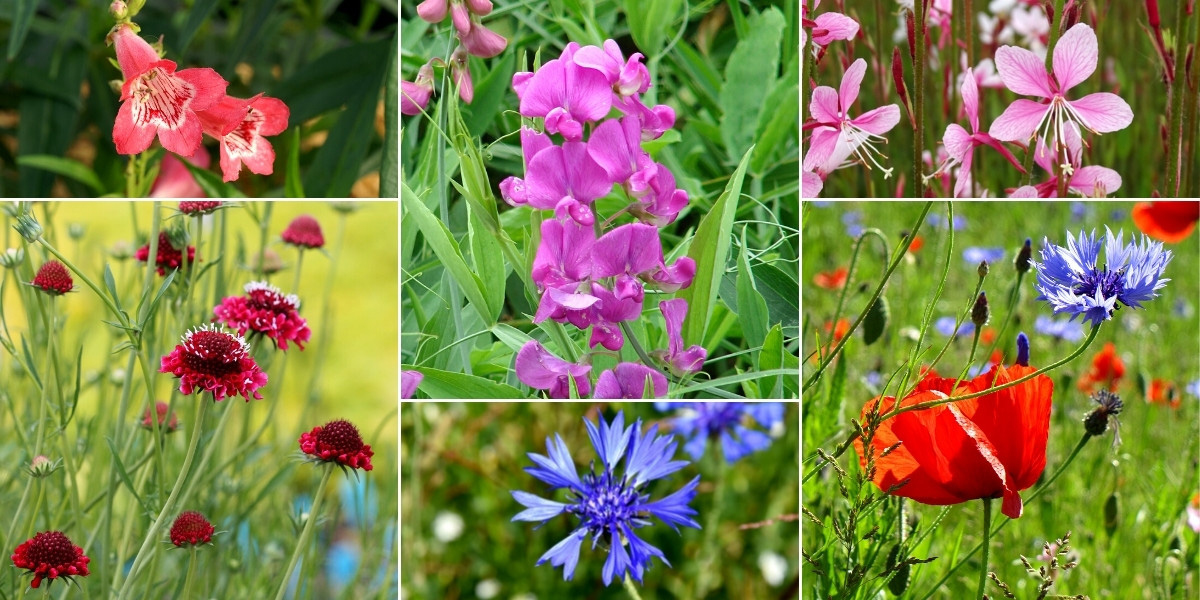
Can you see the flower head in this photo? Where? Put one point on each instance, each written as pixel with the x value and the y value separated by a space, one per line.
pixel 337 442
pixel 195 208
pixel 1091 181
pixel 565 93
pixel 628 380
pixel 1073 282
pixel 1107 369
pixel 610 507
pixel 241 125
pixel 730 422
pixel 191 529
pixel 266 311
pixel 1108 405
pixel 960 145
pixel 53 278
pixel 537 368
pixel 168 256
pixel 160 417
pixel 1063 329
pixel 1170 222
pixel 50 555
pixel 210 359
pixel 304 232
pixel 414 95
pixel 832 280
pixel 838 135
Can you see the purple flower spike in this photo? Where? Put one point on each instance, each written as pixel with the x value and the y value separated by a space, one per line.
pixel 628 380
pixel 539 369
pixel 566 94
pixel 680 360
pixel 626 252
pixel 566 179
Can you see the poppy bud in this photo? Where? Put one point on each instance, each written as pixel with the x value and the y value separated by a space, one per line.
pixel 983 269
pixel 1022 349
pixel 980 312
pixel 1096 423
pixel 1023 256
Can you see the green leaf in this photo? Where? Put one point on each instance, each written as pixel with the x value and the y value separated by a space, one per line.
pixel 22 19
pixel 439 384
pixel 336 78
pixel 65 167
pixel 211 183
pixel 732 379
pixel 111 284
pixel 511 336
pixel 709 249
pixel 197 15
pixel 650 21
pixel 875 323
pixel 292 186
pixel 48 114
pixel 771 356
pixel 778 125
pixel 489 263
pixel 339 161
pixel 752 309
pixel 491 93
pixel 125 475
pixel 447 250
pixel 749 76
pixel 389 161
pixel 146 311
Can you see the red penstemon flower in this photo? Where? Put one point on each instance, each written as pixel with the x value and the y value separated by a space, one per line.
pixel 993 446
pixel 50 555
pixel 168 256
pixel 213 360
pixel 53 279
pixel 337 442
pixel 157 100
pixel 191 529
pixel 265 310
pixel 304 232
pixel 240 126
pixel 1107 369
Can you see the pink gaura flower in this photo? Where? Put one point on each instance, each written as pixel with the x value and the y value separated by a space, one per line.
pixel 1074 60
pixel 628 380
pixel 537 368
pixel 240 126
pixel 158 101
pixel 960 145
pixel 210 359
pixel 1091 181
pixel 680 361
pixel 565 94
pixel 828 27
pixel 837 134
pixel 265 310
pixel 810 184
pixel 175 180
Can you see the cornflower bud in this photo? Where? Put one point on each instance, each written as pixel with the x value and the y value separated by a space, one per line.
pixel 1023 257
pixel 1110 405
pixel 1022 349
pixel 983 269
pixel 979 312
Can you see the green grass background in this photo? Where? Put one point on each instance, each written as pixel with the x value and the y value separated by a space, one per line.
pixel 1150 552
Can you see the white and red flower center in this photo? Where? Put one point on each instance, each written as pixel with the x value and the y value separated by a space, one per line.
pixel 213 352
pixel 243 140
pixel 161 99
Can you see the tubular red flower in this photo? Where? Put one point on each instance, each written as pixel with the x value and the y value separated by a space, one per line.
pixel 267 311
pixel 213 360
pixel 337 442
pixel 50 555
pixel 191 529
pixel 53 278
pixel 176 181
pixel 241 125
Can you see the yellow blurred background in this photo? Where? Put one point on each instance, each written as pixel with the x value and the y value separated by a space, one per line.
pixel 359 376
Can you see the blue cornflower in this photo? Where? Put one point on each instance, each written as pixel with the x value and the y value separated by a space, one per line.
pixel 1079 210
pixel 609 506
pixel 1061 329
pixel 700 421
pixel 945 326
pixel 852 220
pixel 975 255
pixel 939 221
pixel 1070 280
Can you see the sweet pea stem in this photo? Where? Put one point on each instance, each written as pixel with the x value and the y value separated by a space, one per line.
pixel 987 538
pixel 305 535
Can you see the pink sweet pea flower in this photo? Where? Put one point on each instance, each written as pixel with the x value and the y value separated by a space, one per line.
pixel 566 179
pixel 414 96
pixel 175 180
pixel 628 380
pixel 481 41
pixel 616 146
pixel 838 135
pixel 1091 181
pixel 240 125
pixel 606 317
pixel 409 380
pixel 460 71
pixel 539 369
pixel 1074 60
pixel 566 94
pixel 562 264
pixel 513 189
pixel 625 253
pixel 960 146
pixel 680 361
pixel 628 79
pixel 157 100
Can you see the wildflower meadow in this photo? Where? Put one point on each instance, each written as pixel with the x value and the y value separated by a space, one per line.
pixel 1001 400
pixel 193 400
pixel 1001 99
pixel 599 200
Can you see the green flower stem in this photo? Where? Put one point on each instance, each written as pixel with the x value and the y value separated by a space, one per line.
pixel 191 268
pixel 1055 33
pixel 188 594
pixel 296 279
pixel 918 96
pixel 637 347
pixel 201 469
pixel 970 359
pixel 629 587
pixel 1014 296
pixel 168 507
pixel 873 232
pixel 712 523
pixel 1178 91
pixel 910 371
pixel 305 535
pixel 987 538
pixel 874 298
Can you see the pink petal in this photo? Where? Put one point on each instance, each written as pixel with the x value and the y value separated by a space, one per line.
pixel 851 82
pixel 1026 191
pixel 1018 122
pixel 184 139
pixel 824 105
pixel 1075 57
pixel 1044 157
pixel 263 159
pixel 275 115
pixel 1023 72
pixel 820 146
pixel 1087 179
pixel 231 166
pixel 210 87
pixel 878 121
pixel 964 175
pixel 810 184
pixel 957 141
pixel 128 137
pixel 134 54
pixel 970 96
pixel 674 311
pixel 1103 112
pixel 839 27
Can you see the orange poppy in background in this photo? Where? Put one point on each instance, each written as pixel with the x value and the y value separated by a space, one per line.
pixel 917 243
pixel 993 446
pixel 1107 368
pixel 1163 392
pixel 987 336
pixel 832 280
pixel 838 330
pixel 1169 222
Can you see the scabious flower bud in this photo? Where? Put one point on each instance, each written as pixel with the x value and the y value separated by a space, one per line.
pixel 28 227
pixel 979 312
pixel 1024 256
pixel 1110 405
pixel 41 466
pixel 12 258
pixel 76 231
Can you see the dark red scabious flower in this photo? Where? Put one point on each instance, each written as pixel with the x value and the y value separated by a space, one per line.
pixel 198 207
pixel 211 359
pixel 304 232
pixel 267 311
pixel 161 417
pixel 993 446
pixel 53 279
pixel 168 256
pixel 339 442
pixel 1107 369
pixel 191 529
pixel 50 555
pixel 1170 222
pixel 832 280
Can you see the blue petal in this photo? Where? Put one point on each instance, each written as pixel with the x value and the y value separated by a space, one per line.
pixel 565 553
pixel 766 414
pixel 640 553
pixel 695 446
pixel 610 440
pixel 559 469
pixel 650 457
pixel 618 560
pixel 674 509
pixel 539 509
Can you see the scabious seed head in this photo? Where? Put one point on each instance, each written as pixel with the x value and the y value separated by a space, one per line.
pixel 191 529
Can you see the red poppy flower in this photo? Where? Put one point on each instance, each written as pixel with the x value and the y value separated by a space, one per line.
pixel 1107 368
pixel 832 280
pixel 993 446
pixel 987 336
pixel 213 360
pixel 916 244
pixel 191 529
pixel 1169 222
pixel 50 555
pixel 338 442
pixel 1163 392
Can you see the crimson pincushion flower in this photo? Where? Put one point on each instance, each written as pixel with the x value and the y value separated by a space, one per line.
pixel 210 359
pixel 53 279
pixel 199 207
pixel 304 232
pixel 337 442
pixel 267 311
pixel 160 416
pixel 50 555
pixel 168 256
pixel 191 529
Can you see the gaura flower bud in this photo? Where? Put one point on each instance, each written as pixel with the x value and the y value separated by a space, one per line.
pixel 983 269
pixel 1024 255
pixel 979 312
